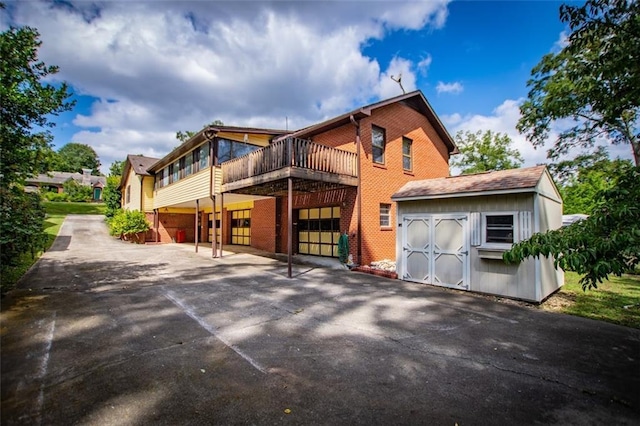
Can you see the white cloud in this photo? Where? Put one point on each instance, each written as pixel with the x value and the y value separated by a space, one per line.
pixel 424 64
pixel 168 66
pixel 455 87
pixel 504 119
pixel 401 69
pixel 561 43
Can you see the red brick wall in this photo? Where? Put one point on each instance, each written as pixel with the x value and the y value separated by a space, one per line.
pixel 263 225
pixel 380 182
pixel 170 223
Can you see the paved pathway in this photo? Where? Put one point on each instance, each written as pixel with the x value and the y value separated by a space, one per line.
pixel 104 332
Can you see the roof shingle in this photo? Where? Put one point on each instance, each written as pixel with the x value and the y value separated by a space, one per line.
pixel 502 180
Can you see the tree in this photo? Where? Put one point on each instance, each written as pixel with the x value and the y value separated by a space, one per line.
pixel 115 169
pixel 581 180
pixel 184 136
pixel 76 156
pixel 25 106
pixel 482 152
pixel 594 80
pixel 25 143
pixel 607 242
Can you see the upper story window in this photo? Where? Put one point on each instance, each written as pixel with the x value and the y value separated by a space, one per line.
pixel 176 171
pixel 377 144
pixel 188 164
pixel 165 176
pixel 228 149
pixel 128 195
pixel 407 154
pixel 203 156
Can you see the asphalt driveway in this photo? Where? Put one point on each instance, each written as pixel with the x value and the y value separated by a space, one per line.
pixel 104 332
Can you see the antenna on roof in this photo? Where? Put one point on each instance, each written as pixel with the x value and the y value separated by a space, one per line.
pixel 399 81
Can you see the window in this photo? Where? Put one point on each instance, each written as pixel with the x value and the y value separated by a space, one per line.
pixel 203 156
pixel 499 228
pixel 228 149
pixel 188 162
pixel 176 171
pixel 407 154
pixel 128 195
pixel 385 215
pixel 377 144
pixel 165 176
pixel 159 181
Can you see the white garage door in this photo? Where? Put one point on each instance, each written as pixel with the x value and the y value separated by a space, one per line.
pixel 435 250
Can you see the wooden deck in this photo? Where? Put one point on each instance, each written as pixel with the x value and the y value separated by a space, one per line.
pixel 313 167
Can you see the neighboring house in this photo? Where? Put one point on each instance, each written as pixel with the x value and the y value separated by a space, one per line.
pixel 453 231
pixel 136 183
pixel 273 189
pixel 54 181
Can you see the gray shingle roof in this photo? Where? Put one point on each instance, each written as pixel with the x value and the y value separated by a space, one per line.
pixel 502 180
pixel 141 163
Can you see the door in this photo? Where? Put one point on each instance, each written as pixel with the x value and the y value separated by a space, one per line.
pixel 319 231
pixel 241 227
pixel 435 250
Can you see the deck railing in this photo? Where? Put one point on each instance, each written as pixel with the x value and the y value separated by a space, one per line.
pixel 291 152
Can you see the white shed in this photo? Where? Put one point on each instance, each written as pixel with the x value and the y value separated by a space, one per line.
pixel 453 231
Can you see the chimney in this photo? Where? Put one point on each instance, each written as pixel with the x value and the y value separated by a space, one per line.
pixel 86 177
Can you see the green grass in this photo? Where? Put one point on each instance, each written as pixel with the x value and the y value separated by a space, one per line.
pixel 56 212
pixel 55 208
pixel 616 301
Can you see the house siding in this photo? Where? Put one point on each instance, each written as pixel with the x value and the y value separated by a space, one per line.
pixel 490 276
pixel 147 193
pixel 187 189
pixel 132 185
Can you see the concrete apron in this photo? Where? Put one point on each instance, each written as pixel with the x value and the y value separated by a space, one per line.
pixel 105 332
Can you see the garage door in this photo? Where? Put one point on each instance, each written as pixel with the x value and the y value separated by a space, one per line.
pixel 241 227
pixel 435 250
pixel 318 231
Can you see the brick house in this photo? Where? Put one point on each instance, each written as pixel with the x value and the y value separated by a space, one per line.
pixel 294 192
pixel 54 182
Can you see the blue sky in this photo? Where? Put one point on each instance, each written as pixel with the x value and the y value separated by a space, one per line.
pixel 141 71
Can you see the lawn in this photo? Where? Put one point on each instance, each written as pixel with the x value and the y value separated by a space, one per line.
pixel 54 208
pixel 56 212
pixel 616 301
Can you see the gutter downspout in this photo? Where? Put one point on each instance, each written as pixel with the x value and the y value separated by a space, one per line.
pixel 359 190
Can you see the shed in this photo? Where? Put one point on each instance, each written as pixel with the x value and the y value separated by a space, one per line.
pixel 454 230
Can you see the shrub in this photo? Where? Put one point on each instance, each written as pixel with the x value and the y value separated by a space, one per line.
pixel 128 224
pixel 21 224
pixel 54 196
pixel 77 192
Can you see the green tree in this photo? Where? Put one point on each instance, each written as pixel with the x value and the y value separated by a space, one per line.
pixel 25 141
pixel 184 136
pixel 76 156
pixel 594 80
pixel 607 242
pixel 25 106
pixel 77 192
pixel 112 196
pixel 482 152
pixel 115 169
pixel 581 180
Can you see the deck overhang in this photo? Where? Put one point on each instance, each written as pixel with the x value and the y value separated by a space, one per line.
pixel 275 183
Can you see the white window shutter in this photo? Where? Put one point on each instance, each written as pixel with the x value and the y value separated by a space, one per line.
pixel 476 228
pixel 525 225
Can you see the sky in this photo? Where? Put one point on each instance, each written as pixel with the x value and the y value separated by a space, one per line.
pixel 142 70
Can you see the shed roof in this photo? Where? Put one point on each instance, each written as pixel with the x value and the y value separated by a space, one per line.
pixel 501 181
